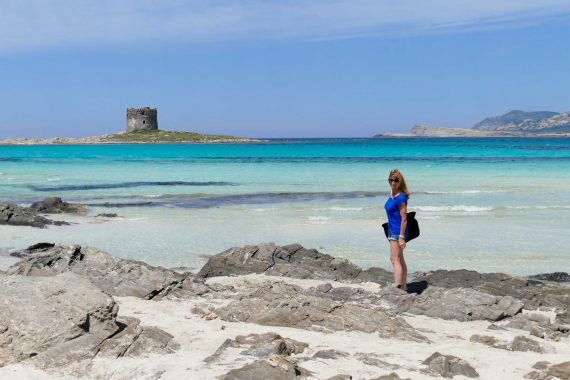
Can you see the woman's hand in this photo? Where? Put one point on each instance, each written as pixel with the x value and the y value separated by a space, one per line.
pixel 402 243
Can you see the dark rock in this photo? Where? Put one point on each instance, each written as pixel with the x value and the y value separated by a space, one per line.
pixel 537 332
pixel 18 216
pixel 134 340
pixel 464 305
pixel 390 376
pixel 532 294
pixel 519 343
pixel 546 371
pixel 290 261
pixel 484 339
pixel 375 361
pixel 520 322
pixel 280 304
pixel 329 354
pixel 449 366
pixel 58 320
pixel 522 343
pixel 554 277
pixel 388 299
pixel 260 346
pixel 109 215
pixel 275 368
pixel 340 377
pixel 561 370
pixel 563 318
pixel 115 276
pixel 54 205
pixel 541 365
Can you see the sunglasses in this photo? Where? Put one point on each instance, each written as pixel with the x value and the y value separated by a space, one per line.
pixel 395 180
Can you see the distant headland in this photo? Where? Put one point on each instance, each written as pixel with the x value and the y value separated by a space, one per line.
pixel 512 124
pixel 142 128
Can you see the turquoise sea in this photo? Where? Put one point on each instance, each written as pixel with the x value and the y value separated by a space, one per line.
pixel 493 204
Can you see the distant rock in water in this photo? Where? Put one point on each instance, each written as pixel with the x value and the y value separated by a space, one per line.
pixel 425 131
pixel 15 215
pixel 536 122
pixel 54 205
pixel 107 215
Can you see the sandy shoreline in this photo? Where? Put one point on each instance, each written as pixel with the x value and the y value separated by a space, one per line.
pixel 367 355
pixel 195 326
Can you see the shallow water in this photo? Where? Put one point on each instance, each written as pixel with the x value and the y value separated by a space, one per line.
pixel 483 204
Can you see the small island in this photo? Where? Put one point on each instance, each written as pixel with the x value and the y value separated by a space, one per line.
pixel 142 128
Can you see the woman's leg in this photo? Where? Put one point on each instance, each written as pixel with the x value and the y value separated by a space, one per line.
pixel 404 278
pixel 395 254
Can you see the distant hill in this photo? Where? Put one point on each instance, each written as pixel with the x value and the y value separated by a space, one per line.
pixel 512 124
pixel 529 122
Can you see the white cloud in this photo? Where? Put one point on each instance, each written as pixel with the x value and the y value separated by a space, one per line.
pixel 43 24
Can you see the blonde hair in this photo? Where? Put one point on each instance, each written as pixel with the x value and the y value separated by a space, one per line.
pixel 402 184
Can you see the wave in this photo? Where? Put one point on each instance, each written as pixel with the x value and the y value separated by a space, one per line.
pixel 123 185
pixel 319 218
pixel 457 208
pixel 339 209
pixel 264 209
pixel 463 192
pixel 344 209
pixel 481 209
pixel 563 207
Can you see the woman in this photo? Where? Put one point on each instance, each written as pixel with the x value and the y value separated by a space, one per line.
pixel 396 210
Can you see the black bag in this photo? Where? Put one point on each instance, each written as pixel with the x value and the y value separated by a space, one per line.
pixel 413 227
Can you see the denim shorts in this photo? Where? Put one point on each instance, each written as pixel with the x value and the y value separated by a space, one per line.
pixel 396 237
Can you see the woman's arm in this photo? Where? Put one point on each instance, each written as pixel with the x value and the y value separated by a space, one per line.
pixel 404 215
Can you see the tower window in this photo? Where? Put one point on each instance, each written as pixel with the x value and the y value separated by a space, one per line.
pixel 144 121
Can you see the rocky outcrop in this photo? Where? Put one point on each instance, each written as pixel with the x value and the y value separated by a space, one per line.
pixel 15 215
pixel 545 370
pixel 134 340
pixel 54 205
pixel 390 376
pixel 276 367
pixel 260 346
pixel 464 305
pixel 449 366
pixel 290 261
pixel 113 275
pixel 55 321
pixel 520 343
pixel 457 302
pixel 533 294
pixel 280 304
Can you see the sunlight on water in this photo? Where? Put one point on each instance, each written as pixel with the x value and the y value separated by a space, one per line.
pixel 488 204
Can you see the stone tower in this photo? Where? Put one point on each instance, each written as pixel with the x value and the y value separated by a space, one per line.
pixel 142 119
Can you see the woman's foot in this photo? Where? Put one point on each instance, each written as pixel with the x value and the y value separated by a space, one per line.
pixel 399 286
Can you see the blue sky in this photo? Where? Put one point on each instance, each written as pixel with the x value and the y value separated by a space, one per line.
pixel 278 68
